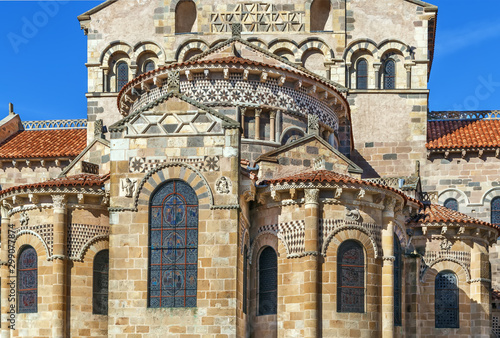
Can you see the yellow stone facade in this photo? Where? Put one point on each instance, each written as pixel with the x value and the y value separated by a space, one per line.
pixel 258 108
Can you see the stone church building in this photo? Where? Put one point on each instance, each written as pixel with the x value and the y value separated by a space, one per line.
pixel 253 169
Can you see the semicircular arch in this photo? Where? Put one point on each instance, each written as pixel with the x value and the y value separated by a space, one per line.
pixel 113 48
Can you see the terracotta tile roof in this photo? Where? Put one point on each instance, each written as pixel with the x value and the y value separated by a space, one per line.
pixel 449 134
pixel 44 143
pixel 80 180
pixel 436 213
pixel 326 176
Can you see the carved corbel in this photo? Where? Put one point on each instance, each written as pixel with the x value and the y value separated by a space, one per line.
pixel 424 231
pixel 28 163
pixel 360 194
pixel 105 198
pixel 81 198
pixel 497 152
pixel 293 193
pixel 42 163
pixel 261 199
pixel 338 192
pixel 33 198
pixel 145 86
pixel 206 73
pixel 249 196
pixel 464 153
pixel 276 196
pixel 281 80
pixel 481 153
pixel 225 72
pixel 446 154
pixel 159 82
pixel 245 74
pixel 263 77
pixel 312 90
pixel 57 162
pixel 444 230
pixel 379 198
pixel 14 163
pixel 461 230
pixel 298 85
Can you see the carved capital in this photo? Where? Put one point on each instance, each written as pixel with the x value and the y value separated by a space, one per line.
pixel 59 201
pixel 311 195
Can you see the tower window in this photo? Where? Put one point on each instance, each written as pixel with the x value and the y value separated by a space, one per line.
pixel 451 204
pixel 495 211
pixel 362 74
pixel 121 75
pixel 390 74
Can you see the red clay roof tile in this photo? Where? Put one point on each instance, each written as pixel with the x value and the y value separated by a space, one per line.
pixel 323 176
pixel 44 143
pixel 436 213
pixel 88 180
pixel 451 134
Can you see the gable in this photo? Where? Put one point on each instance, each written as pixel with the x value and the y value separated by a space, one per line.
pixel 302 155
pixel 94 156
pixel 174 113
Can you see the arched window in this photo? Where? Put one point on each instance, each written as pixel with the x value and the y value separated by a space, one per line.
pixel 173 246
pixel 390 74
pixel 291 135
pixel 451 204
pixel 268 282
pixel 27 280
pixel 350 277
pixel 495 211
pixel 320 16
pixel 185 17
pixel 100 283
pixel 446 300
pixel 397 282
pixel 121 75
pixel 362 74
pixel 149 66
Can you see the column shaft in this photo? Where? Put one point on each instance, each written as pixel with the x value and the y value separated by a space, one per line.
pixel 59 264
pixel 388 277
pixel 257 123
pixel 312 320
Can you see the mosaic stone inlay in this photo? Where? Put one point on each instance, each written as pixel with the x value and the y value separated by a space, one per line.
pixel 205 163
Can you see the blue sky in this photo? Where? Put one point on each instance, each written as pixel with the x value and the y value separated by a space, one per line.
pixel 43 55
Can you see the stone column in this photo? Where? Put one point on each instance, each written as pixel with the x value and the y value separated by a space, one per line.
pixel 105 82
pixel 377 66
pixel 388 268
pixel 278 126
pixel 242 120
pixel 257 123
pixel 272 117
pixel 312 320
pixel 5 316
pixel 348 68
pixel 408 76
pixel 59 252
pixel 480 292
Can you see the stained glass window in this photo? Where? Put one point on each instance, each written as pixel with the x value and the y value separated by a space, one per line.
pixel 397 282
pixel 451 203
pixel 121 75
pixel 495 211
pixel 27 275
pixel 245 276
pixel 149 66
pixel 446 300
pixel 351 278
pixel 390 74
pixel 173 246
pixel 100 283
pixel 268 282
pixel 362 74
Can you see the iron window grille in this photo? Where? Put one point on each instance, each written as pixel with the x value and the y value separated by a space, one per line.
pixel 390 74
pixel 451 204
pixel 446 300
pixel 121 75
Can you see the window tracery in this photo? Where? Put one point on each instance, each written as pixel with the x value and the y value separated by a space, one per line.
pixel 27 279
pixel 350 278
pixel 173 247
pixel 446 300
